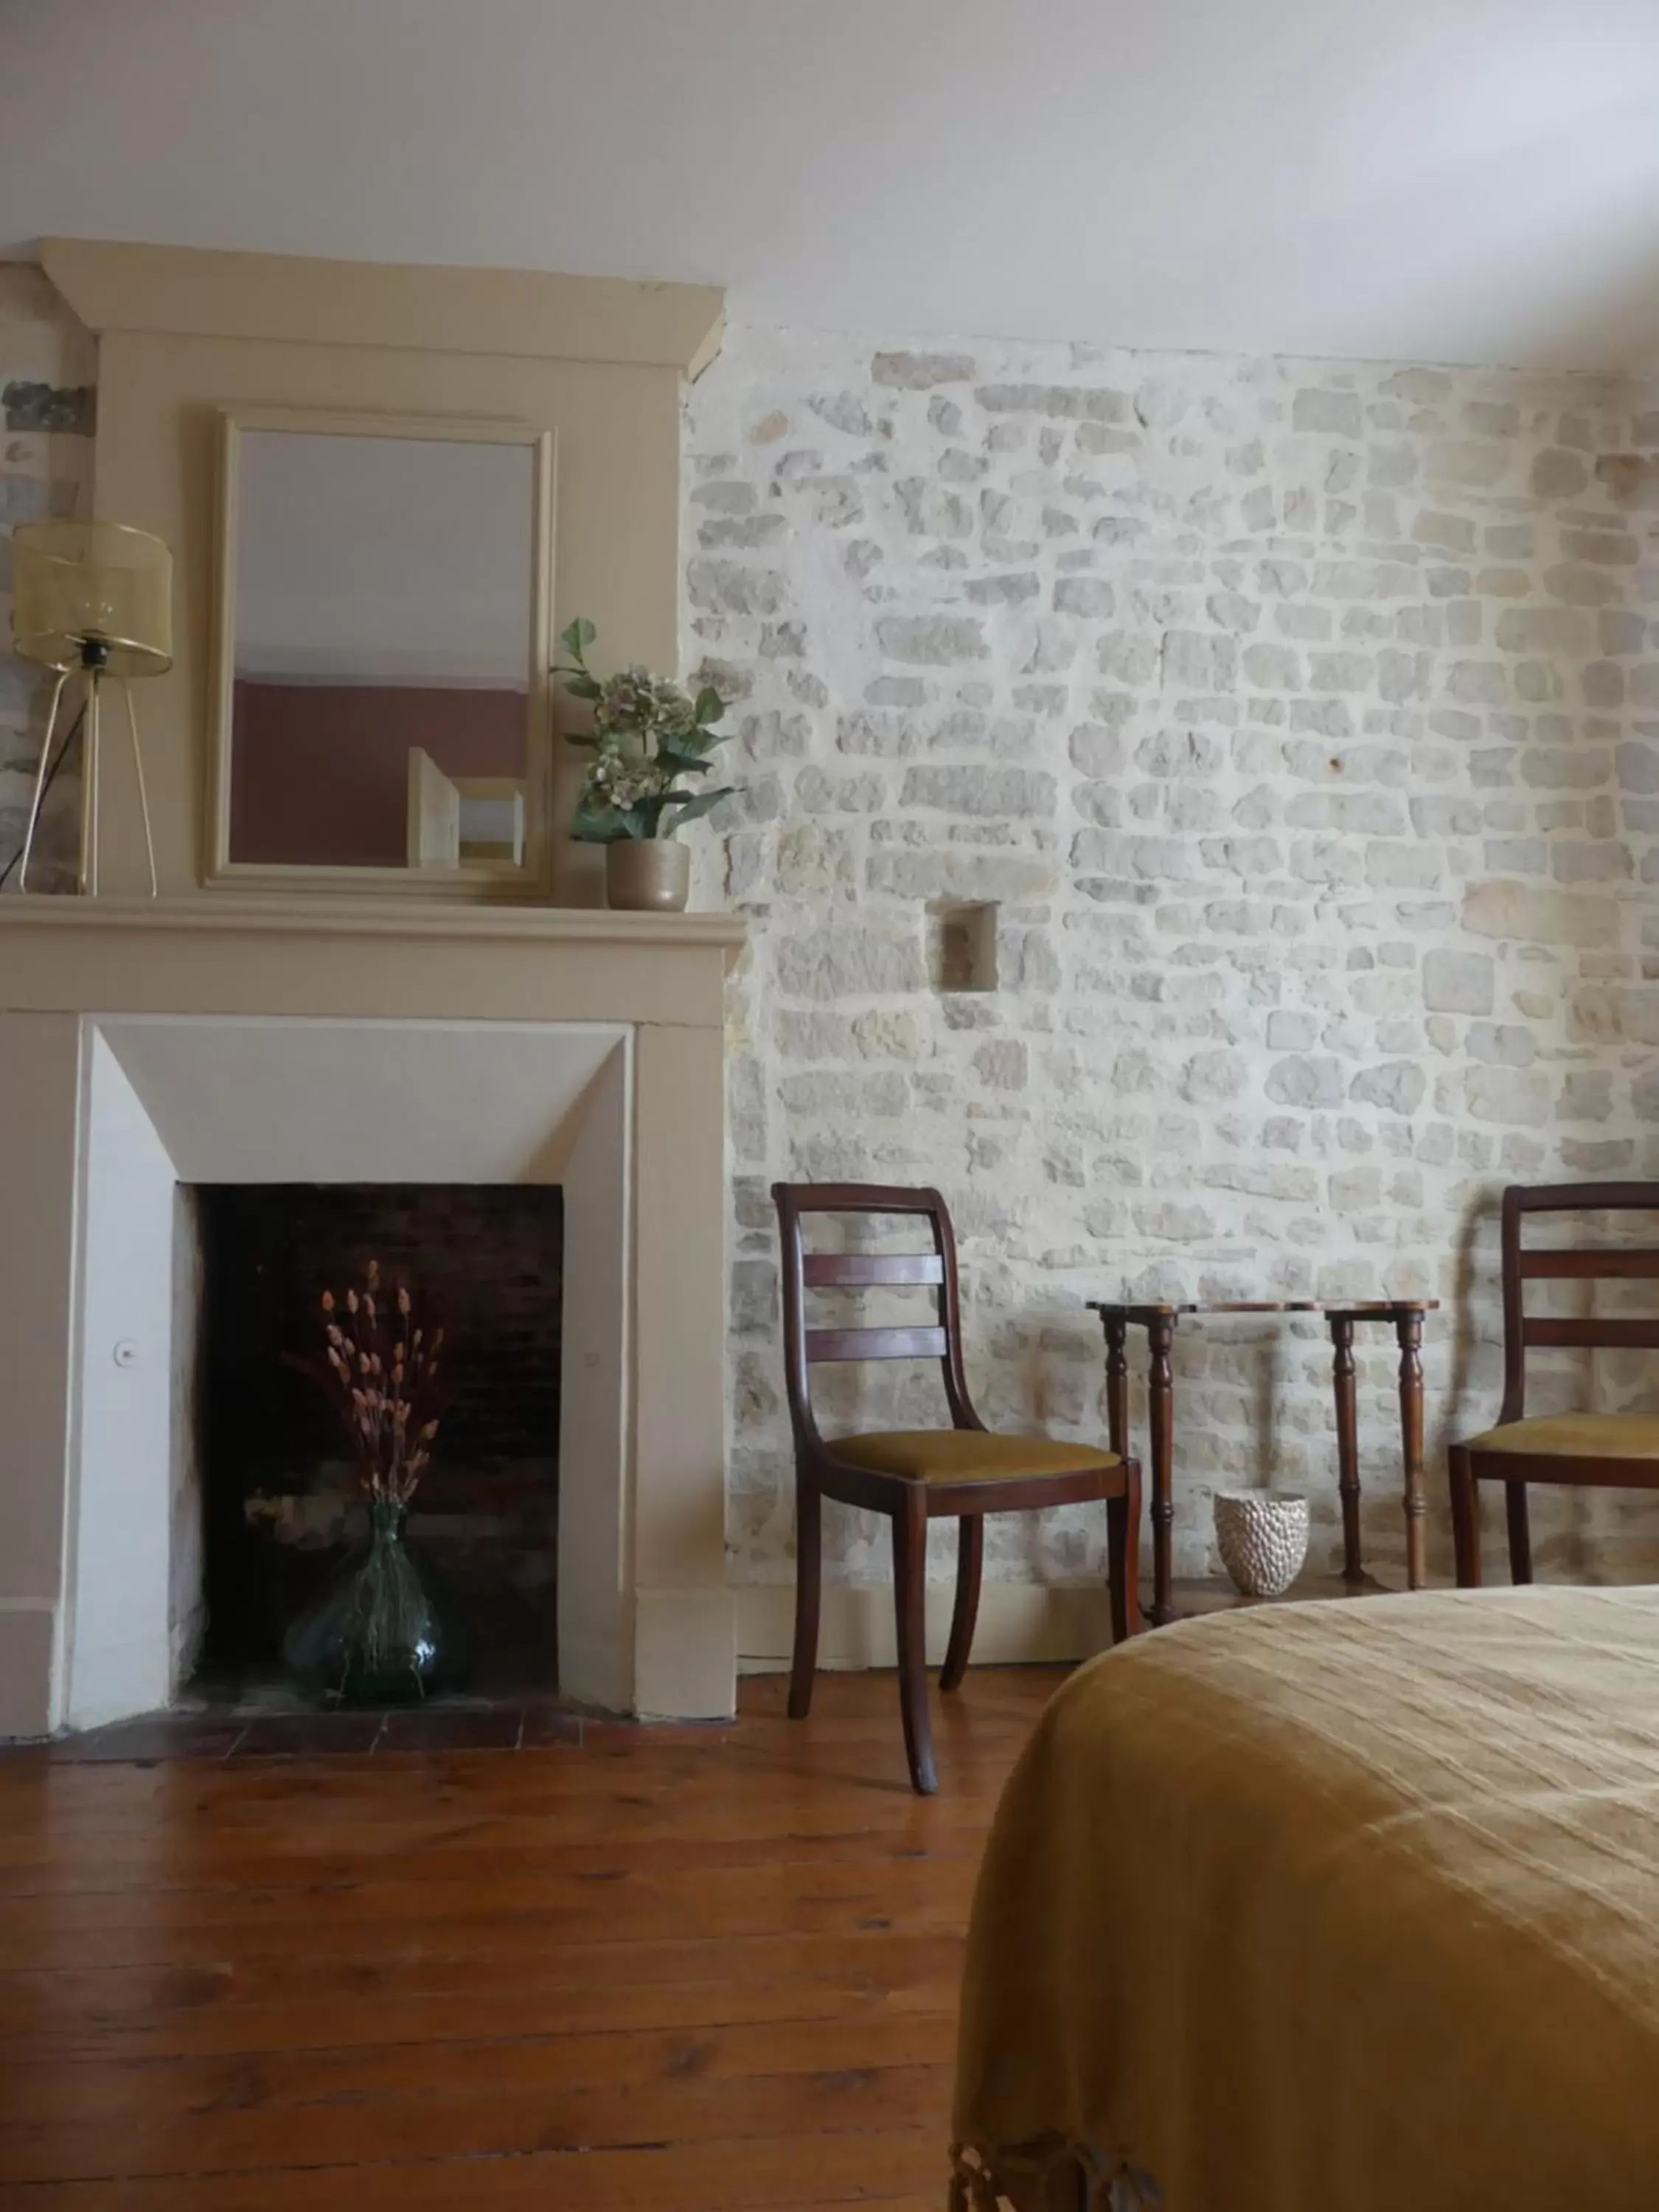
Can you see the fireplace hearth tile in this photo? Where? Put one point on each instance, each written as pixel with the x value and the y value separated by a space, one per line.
pixel 477 1729
pixel 303 1736
pixel 508 1723
pixel 550 1724
pixel 155 1736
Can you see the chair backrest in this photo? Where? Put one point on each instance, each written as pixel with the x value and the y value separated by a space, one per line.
pixel 1578 1263
pixel 805 1347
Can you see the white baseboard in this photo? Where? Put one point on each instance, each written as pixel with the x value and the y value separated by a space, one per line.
pixel 684 1663
pixel 1018 1622
pixel 594 1670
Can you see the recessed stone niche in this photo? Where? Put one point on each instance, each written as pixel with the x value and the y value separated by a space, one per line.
pixel 962 945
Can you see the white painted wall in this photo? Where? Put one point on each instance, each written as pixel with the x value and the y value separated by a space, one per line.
pixel 1414 181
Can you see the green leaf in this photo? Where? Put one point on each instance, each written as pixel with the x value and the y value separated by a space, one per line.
pixel 588 740
pixel 710 705
pixel 680 757
pixel 601 825
pixel 582 686
pixel 578 637
pixel 699 741
pixel 700 804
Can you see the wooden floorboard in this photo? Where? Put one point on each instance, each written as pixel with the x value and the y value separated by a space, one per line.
pixel 709 1971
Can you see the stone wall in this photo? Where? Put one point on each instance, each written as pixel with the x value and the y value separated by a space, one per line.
pixel 46 374
pixel 1300 722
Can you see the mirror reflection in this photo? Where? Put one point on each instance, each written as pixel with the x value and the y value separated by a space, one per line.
pixel 383 612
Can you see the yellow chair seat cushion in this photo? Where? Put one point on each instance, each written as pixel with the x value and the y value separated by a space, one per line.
pixel 966 1455
pixel 1565 1436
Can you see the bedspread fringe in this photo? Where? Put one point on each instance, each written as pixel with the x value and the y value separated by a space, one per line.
pixel 1048 2175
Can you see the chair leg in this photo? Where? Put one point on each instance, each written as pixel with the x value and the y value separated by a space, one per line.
pixel 1465 1518
pixel 802 1668
pixel 910 1604
pixel 1515 1503
pixel 970 1559
pixel 1123 1554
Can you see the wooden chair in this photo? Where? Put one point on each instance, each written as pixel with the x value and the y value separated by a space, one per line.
pixel 1615 1450
pixel 916 1476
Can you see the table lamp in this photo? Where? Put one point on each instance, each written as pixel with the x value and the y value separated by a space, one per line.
pixel 93 600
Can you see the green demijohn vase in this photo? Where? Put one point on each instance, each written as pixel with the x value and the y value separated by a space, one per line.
pixel 384 1632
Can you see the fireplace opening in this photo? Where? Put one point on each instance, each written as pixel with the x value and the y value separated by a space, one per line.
pixel 272 1485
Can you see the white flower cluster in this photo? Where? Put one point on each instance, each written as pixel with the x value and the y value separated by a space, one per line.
pixel 649 738
pixel 623 779
pixel 638 704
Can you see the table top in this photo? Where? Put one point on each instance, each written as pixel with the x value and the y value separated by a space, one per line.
pixel 1136 1309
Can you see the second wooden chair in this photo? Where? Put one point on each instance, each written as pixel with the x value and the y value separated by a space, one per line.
pixel 1583 1449
pixel 916 1476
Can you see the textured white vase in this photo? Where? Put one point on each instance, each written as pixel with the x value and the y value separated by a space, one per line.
pixel 1262 1535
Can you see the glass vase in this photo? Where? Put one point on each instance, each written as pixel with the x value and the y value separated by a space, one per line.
pixel 385 1632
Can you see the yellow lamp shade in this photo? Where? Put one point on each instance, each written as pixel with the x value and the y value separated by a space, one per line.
pixel 92 592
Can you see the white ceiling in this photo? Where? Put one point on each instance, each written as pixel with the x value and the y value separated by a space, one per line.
pixel 1423 179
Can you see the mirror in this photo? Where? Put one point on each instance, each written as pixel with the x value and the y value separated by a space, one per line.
pixel 383 646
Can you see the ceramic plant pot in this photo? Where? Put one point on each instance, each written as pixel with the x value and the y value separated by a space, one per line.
pixel 1262 1535
pixel 647 875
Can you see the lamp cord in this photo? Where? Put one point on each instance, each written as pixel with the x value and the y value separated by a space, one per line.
pixel 69 738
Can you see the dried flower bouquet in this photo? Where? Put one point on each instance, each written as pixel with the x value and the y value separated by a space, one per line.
pixel 382 1368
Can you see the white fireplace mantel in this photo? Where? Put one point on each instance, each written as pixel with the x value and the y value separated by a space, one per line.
pixel 145 1043
pixel 150 952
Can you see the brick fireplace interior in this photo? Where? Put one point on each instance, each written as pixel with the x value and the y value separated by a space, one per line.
pixel 274 1487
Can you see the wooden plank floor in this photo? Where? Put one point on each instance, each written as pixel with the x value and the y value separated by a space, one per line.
pixel 708 1971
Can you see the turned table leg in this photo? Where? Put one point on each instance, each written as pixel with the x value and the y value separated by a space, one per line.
pixel 1347 1444
pixel 1125 1609
pixel 1117 1384
pixel 1160 1334
pixel 1408 1328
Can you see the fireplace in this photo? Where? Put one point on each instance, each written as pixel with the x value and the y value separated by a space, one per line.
pixel 150 1050
pixel 278 1497
pixel 158 1047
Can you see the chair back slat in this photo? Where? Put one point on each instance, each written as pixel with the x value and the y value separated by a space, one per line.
pixel 1593 1334
pixel 1578 1263
pixel 1636 1265
pixel 932 1270
pixel 827 1270
pixel 823 1344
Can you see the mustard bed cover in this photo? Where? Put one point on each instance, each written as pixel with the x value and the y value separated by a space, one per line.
pixel 1346 1907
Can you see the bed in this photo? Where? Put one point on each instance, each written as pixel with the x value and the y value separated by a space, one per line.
pixel 1329 1908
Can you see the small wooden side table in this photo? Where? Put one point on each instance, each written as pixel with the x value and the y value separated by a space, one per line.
pixel 1341 1316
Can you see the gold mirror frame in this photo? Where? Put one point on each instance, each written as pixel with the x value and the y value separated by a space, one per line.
pixel 497 880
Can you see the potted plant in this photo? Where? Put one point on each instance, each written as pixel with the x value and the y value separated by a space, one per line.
pixel 649 741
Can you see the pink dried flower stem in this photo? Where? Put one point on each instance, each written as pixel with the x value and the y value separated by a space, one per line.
pixel 382 1366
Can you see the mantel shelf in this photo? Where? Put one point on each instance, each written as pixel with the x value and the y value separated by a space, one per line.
pixel 231 914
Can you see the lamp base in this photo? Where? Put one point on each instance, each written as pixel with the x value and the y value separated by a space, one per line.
pixel 93 655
